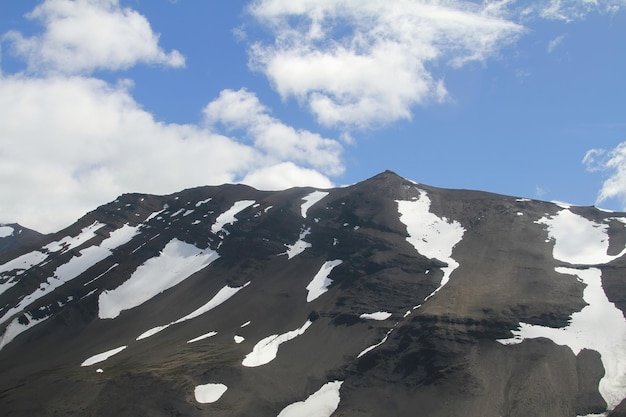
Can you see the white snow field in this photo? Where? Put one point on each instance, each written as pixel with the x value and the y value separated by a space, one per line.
pixel 578 240
pixel 266 350
pixel 209 393
pixel 100 357
pixel 300 245
pixel 76 266
pixel 176 262
pixel 600 325
pixel 310 200
pixel 228 217
pixel 431 236
pixel 321 403
pixel 320 282
pixel 379 315
pixel 222 295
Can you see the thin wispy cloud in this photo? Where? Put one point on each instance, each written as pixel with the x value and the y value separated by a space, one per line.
pixel 554 43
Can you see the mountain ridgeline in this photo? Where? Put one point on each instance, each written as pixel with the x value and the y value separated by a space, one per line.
pixel 384 298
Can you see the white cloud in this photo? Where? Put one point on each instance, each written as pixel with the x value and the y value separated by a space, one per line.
pixel 361 63
pixel 285 175
pixel 570 10
pixel 614 162
pixel 241 110
pixel 86 35
pixel 70 144
pixel 554 43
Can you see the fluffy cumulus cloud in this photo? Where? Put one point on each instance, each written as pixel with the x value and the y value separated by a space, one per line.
pixel 70 141
pixel 241 110
pixel 614 163
pixel 86 35
pixel 360 63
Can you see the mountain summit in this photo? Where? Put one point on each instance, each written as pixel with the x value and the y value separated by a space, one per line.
pixel 384 298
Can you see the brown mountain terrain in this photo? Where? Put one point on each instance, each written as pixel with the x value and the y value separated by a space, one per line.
pixel 385 298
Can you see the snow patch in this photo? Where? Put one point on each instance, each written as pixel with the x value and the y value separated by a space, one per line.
pixel 431 236
pixel 70 242
pixel 599 326
pixel 152 332
pixel 6 231
pixel 209 393
pixel 379 315
pixel 321 403
pixel 222 295
pixel 266 350
pixel 199 203
pixel 176 262
pixel 320 282
pixel 24 262
pixel 577 239
pixel 366 350
pixel 15 328
pixel 228 217
pixel 100 357
pixel 204 336
pixel 299 247
pixel 310 200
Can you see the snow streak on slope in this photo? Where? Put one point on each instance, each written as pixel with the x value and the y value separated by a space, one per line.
pixel 431 236
pixel 15 328
pixel 299 247
pixel 100 357
pixel 599 326
pixel 201 337
pixel 176 262
pixel 69 242
pixel 76 266
pixel 19 265
pixel 228 217
pixel 321 403
pixel 266 350
pixel 320 282
pixel 209 393
pixel 310 200
pixel 222 295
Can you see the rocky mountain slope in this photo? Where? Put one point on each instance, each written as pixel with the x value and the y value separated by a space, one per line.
pixel 13 236
pixel 385 298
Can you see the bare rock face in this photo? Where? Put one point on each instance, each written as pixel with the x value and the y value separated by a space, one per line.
pixel 14 236
pixel 384 298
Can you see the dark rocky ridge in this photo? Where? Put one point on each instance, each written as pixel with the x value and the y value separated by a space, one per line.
pixel 21 236
pixel 441 360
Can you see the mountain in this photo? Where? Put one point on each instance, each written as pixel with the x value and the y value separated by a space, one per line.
pixel 13 236
pixel 384 298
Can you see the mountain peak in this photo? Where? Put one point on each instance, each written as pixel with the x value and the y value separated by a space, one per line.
pixel 385 295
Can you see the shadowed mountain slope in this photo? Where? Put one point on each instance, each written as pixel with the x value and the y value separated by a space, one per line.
pixel 383 298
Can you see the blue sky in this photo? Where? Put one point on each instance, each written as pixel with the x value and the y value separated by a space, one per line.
pixel 98 98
